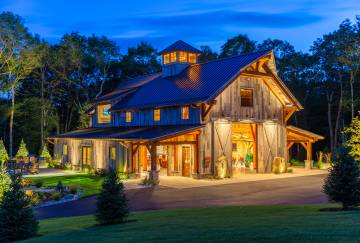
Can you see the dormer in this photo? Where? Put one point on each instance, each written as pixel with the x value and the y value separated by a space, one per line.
pixel 177 57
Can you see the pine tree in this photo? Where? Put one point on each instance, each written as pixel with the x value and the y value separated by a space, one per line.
pixel 112 207
pixel 45 153
pixel 3 153
pixel 343 182
pixel 18 221
pixel 5 182
pixel 22 152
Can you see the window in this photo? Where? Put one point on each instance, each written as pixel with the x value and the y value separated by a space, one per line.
pixel 86 155
pixel 112 153
pixel 182 56
pixel 185 112
pixel 65 149
pixel 104 115
pixel 192 58
pixel 166 58
pixel 173 57
pixel 246 96
pixel 128 116
pixel 234 147
pixel 157 115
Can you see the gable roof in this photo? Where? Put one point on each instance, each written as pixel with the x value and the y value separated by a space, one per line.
pixel 180 46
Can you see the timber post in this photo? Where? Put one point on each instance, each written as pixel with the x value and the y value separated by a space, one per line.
pixel 154 173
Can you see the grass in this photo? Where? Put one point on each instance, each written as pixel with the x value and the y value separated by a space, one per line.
pixel 225 224
pixel 88 184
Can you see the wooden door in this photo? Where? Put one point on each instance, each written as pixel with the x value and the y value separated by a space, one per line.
pixel 186 161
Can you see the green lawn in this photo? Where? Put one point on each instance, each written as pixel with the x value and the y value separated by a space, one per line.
pixel 88 184
pixel 226 224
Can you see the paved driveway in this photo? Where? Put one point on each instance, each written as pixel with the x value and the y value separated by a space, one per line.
pixel 291 190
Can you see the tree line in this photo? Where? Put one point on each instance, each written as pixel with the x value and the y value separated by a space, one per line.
pixel 46 88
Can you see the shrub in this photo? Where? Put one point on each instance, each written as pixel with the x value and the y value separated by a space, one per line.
pixel 3 153
pixel 25 182
pixel 148 182
pixel 5 182
pixel 22 152
pixel 100 172
pixel 18 221
pixel 343 182
pixel 56 196
pixel 289 170
pixel 112 207
pixel 60 187
pixel 123 176
pixel 45 153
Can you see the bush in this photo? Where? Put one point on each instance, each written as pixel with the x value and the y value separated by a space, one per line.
pixel 26 182
pixel 295 162
pixel 3 153
pixel 5 182
pixel 60 187
pixel 100 172
pixel 56 196
pixel 73 189
pixel 45 153
pixel 112 207
pixel 22 152
pixel 289 170
pixel 343 182
pixel 18 221
pixel 123 176
pixel 148 182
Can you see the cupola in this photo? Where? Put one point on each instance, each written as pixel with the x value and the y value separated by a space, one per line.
pixel 177 57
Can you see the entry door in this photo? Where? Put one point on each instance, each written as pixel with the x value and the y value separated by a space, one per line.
pixel 186 161
pixel 86 156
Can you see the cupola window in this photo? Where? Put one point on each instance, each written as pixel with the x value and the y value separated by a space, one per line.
pixel 157 115
pixel 104 115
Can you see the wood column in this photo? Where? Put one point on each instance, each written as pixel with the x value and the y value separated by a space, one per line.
pixel 154 173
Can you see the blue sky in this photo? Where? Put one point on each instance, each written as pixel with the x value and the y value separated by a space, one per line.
pixel 202 22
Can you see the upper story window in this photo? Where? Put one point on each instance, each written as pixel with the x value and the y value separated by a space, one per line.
pixel 128 116
pixel 185 112
pixel 173 57
pixel 156 114
pixel 104 115
pixel 182 56
pixel 192 58
pixel 246 96
pixel 166 58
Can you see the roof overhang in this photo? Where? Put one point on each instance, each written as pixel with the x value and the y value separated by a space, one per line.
pixel 298 135
pixel 143 134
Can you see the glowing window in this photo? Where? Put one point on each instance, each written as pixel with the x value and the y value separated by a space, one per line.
pixel 86 155
pixel 182 56
pixel 104 115
pixel 113 153
pixel 157 115
pixel 192 58
pixel 173 57
pixel 128 116
pixel 246 96
pixel 166 58
pixel 65 149
pixel 185 112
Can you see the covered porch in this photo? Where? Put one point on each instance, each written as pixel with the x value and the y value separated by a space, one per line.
pixel 305 138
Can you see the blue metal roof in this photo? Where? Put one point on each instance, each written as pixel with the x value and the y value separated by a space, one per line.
pixel 197 83
pixel 180 46
pixel 128 133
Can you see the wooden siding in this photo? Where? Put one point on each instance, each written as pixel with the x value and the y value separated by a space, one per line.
pixel 100 158
pixel 265 104
pixel 168 116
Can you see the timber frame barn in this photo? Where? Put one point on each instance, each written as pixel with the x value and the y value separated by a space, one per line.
pixel 221 118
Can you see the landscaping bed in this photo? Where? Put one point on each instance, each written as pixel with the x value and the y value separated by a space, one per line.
pixel 88 185
pixel 225 224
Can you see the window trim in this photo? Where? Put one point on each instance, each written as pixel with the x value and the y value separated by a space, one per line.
pixel 182 112
pixel 99 116
pixel 252 96
pixel 128 116
pixel 155 115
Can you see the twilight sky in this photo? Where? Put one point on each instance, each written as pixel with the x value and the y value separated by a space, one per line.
pixel 201 22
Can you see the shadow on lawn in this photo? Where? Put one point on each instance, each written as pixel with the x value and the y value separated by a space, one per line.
pixel 338 209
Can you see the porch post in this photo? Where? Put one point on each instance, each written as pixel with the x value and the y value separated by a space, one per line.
pixel 154 173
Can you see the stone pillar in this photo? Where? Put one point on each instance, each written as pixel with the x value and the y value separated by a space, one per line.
pixel 154 173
